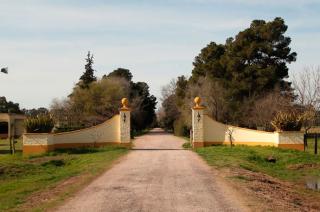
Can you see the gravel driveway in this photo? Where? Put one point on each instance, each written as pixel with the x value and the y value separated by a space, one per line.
pixel 157 175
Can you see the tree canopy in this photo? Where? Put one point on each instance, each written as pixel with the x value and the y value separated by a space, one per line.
pixel 253 62
pixel 142 102
pixel 100 100
pixel 121 73
pixel 8 106
pixel 234 77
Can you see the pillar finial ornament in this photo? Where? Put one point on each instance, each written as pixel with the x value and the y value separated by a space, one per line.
pixel 197 123
pixel 125 102
pixel 125 137
pixel 197 101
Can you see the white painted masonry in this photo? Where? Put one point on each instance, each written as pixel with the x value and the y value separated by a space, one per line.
pixel 207 132
pixel 125 126
pixel 115 131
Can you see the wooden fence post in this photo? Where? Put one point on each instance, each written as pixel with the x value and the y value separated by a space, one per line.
pixel 304 142
pixel 316 145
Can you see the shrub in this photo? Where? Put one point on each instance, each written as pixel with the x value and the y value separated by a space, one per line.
pixel 187 145
pixel 39 124
pixel 180 128
pixel 287 121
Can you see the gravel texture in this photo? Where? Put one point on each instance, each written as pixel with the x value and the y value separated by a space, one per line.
pixel 158 175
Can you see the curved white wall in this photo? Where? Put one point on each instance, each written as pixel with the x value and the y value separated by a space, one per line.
pixel 111 131
pixel 108 131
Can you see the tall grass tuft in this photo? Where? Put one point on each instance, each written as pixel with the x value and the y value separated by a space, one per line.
pixel 287 121
pixel 39 124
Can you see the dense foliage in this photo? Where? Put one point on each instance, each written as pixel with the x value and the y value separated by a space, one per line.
pixel 235 78
pixel 289 121
pixel 100 99
pixel 36 111
pixel 39 124
pixel 143 104
pixel 8 106
pixel 253 62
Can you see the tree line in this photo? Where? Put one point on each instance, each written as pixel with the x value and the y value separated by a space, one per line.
pixel 94 100
pixel 243 82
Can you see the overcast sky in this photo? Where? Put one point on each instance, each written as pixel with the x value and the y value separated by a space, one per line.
pixel 44 42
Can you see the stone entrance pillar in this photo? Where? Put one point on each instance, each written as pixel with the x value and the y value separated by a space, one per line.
pixel 197 124
pixel 125 137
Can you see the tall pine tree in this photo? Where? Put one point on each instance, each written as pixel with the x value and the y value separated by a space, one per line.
pixel 252 63
pixel 88 76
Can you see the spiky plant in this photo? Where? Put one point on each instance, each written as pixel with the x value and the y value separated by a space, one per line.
pixel 39 124
pixel 287 121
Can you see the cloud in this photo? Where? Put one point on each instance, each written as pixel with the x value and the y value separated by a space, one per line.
pixel 287 3
pixel 70 18
pixel 40 71
pixel 44 42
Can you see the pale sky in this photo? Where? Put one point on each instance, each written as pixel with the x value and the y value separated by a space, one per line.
pixel 44 42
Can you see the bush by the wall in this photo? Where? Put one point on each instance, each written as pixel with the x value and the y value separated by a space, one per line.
pixel 287 121
pixel 39 124
pixel 180 129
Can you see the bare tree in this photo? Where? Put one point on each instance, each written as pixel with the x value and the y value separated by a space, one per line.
pixel 230 132
pixel 307 88
pixel 169 112
pixel 212 94
pixel 168 90
pixel 264 109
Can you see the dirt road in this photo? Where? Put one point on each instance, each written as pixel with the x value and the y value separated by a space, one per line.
pixel 158 175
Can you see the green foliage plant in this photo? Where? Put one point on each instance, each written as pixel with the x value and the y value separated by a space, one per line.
pixel 39 124
pixel 287 121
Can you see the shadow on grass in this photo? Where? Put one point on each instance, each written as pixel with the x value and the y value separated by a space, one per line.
pixel 86 150
pixel 82 150
pixel 6 151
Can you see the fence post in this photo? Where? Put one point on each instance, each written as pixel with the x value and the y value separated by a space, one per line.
pixel 125 137
pixel 197 124
pixel 304 142
pixel 316 144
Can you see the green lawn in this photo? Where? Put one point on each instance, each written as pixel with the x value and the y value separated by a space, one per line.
pixel 311 146
pixel 21 176
pixel 5 146
pixel 290 165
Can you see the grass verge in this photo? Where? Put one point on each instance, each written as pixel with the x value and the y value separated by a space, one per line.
pixel 5 145
pixel 311 146
pixel 269 178
pixel 187 144
pixel 290 165
pixel 23 177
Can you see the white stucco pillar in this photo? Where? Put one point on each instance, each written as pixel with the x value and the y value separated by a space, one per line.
pixel 197 124
pixel 125 137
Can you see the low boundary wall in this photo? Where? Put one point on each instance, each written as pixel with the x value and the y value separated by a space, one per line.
pixel 115 131
pixel 208 132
